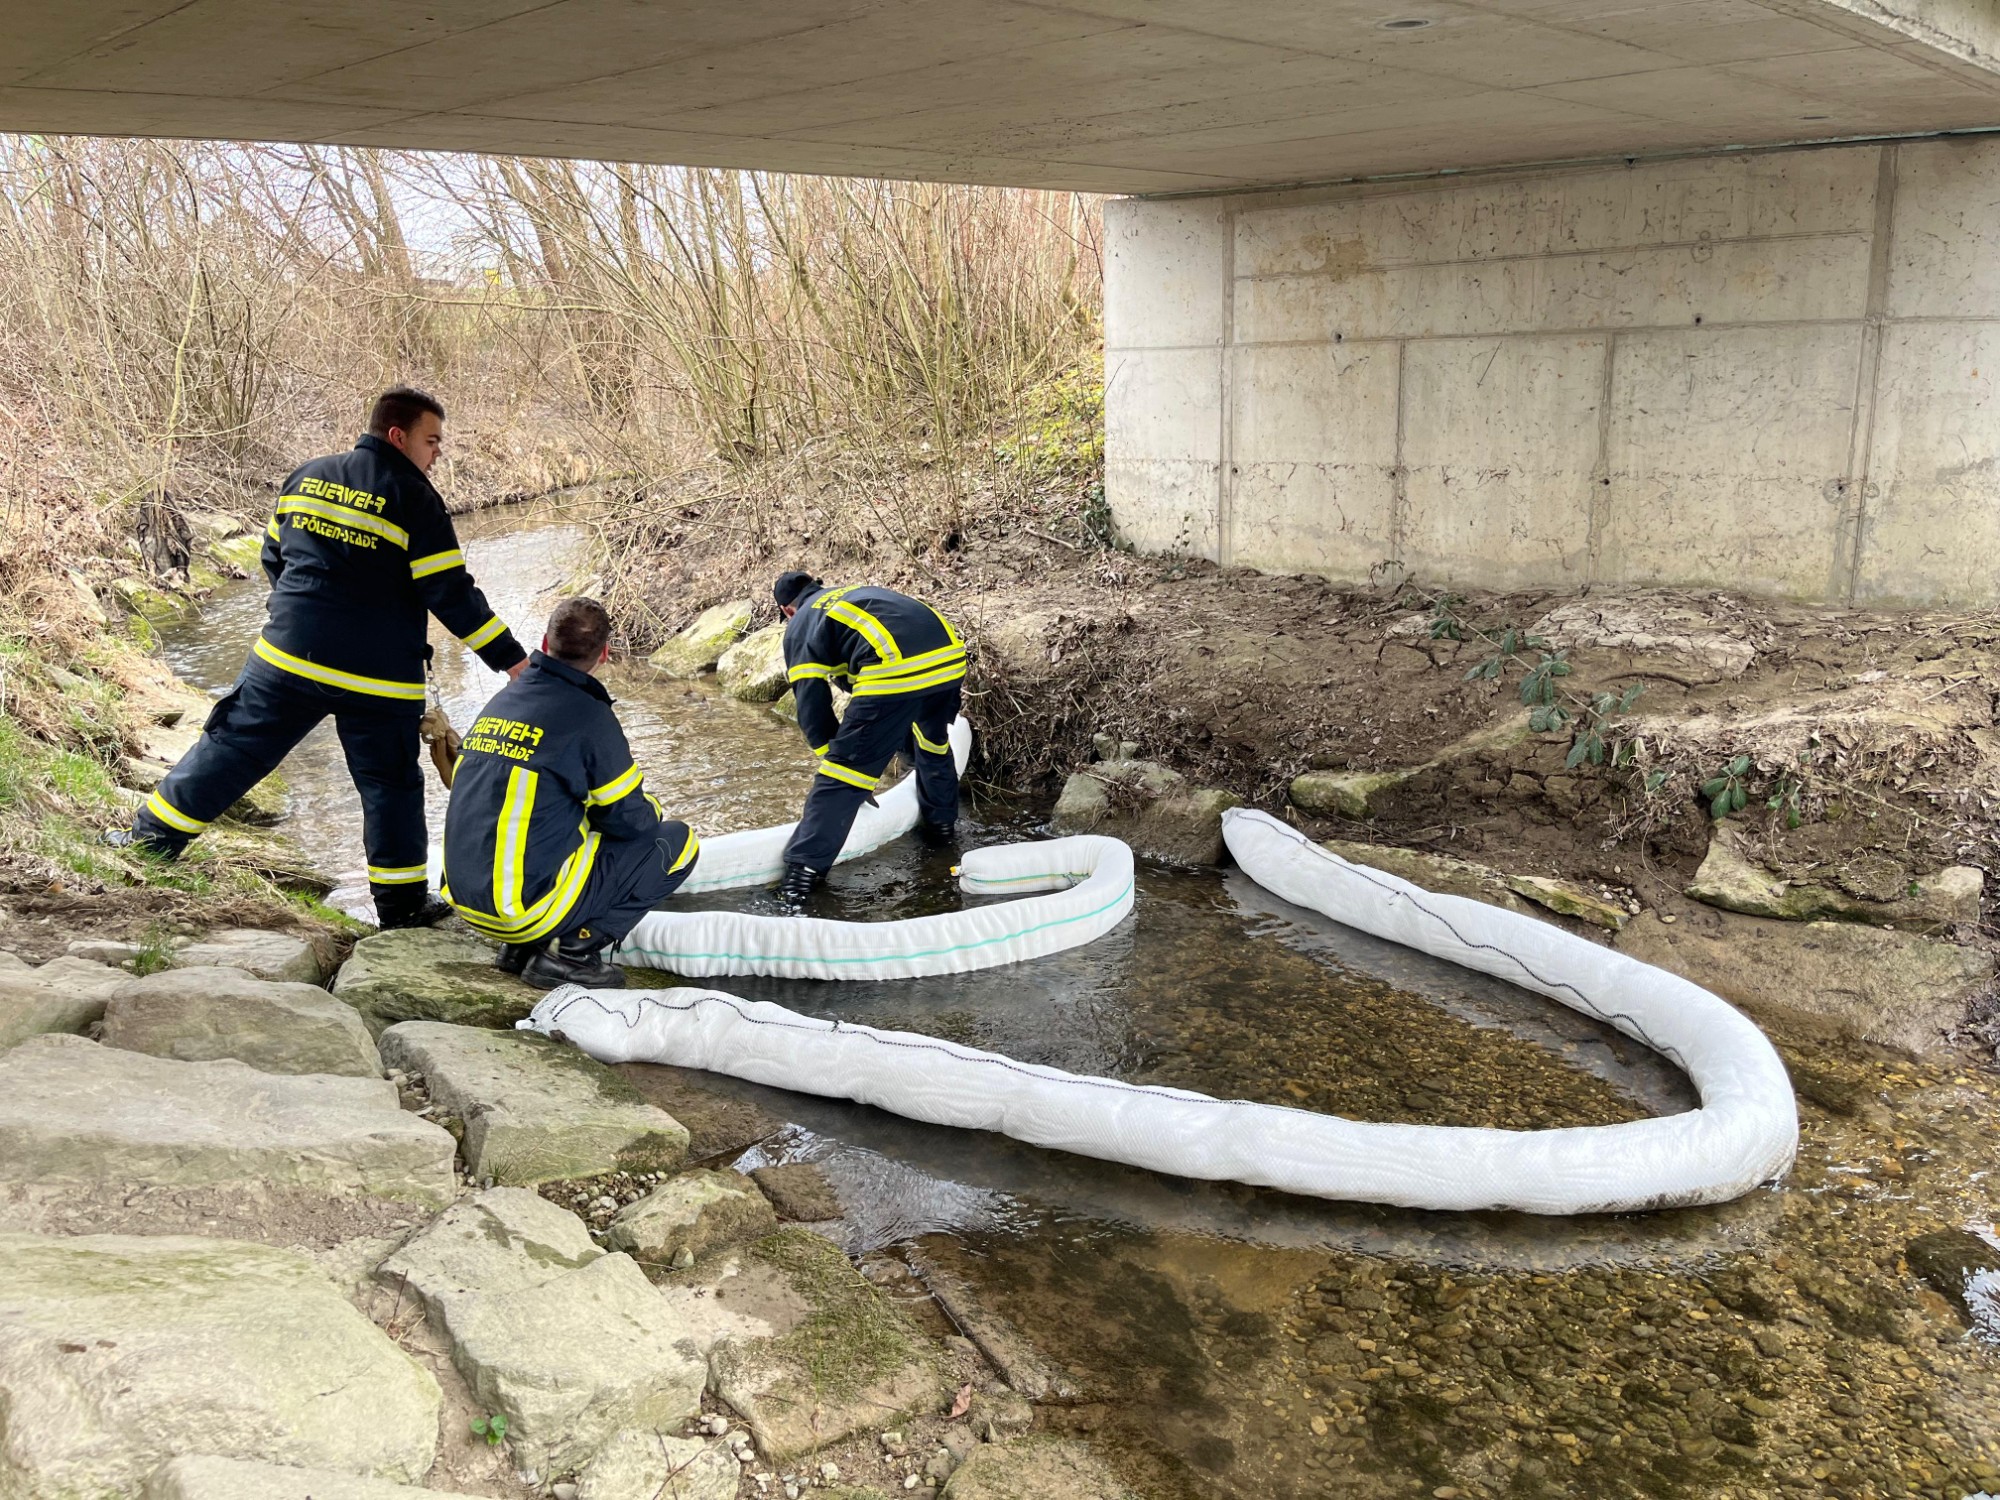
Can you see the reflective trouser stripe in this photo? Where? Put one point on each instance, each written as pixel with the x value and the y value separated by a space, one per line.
pixel 404 875
pixel 298 666
pixel 172 816
pixel 848 774
pixel 687 855
pixel 928 744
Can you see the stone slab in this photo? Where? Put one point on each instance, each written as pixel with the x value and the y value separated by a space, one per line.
pixel 63 995
pixel 197 1015
pixel 1149 806
pixel 699 647
pixel 1889 987
pixel 571 1344
pixel 799 1191
pixel 1035 1469
pixel 534 1109
pixel 422 974
pixel 209 1478
pixel 638 1465
pixel 116 1353
pixel 1356 794
pixel 753 670
pixel 699 1211
pixel 1730 878
pixel 277 956
pixel 72 1111
pixel 839 1356
pixel 1432 872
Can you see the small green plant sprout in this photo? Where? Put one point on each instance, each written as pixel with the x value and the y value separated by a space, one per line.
pixel 1507 645
pixel 1592 745
pixel 493 1429
pixel 1654 781
pixel 1539 692
pixel 1726 793
pixel 1445 623
pixel 1788 797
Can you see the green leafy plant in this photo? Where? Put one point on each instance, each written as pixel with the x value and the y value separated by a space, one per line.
pixel 1539 692
pixel 1445 623
pixel 1595 743
pixel 493 1429
pixel 1788 798
pixel 1726 793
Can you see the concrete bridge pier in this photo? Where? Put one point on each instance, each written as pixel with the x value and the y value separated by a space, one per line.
pixel 1769 371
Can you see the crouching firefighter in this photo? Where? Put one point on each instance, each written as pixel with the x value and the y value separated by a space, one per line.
pixel 904 665
pixel 359 550
pixel 550 831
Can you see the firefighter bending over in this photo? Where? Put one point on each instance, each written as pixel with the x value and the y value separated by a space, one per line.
pixel 904 665
pixel 550 831
pixel 359 549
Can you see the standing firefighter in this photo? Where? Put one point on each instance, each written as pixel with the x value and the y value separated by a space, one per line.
pixel 551 831
pixel 904 664
pixel 360 548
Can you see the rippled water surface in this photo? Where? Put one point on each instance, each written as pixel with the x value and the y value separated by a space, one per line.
pixel 1226 1341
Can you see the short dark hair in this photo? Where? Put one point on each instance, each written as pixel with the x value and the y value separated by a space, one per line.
pixel 400 406
pixel 578 631
pixel 793 586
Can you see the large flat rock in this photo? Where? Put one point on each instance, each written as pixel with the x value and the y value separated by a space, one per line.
pixel 210 1478
pixel 1147 805
pixel 62 995
pixel 1888 987
pixel 1035 1469
pixel 820 1352
pixel 570 1344
pixel 697 1211
pixel 117 1353
pixel 638 1465
pixel 701 645
pixel 753 670
pixel 534 1110
pixel 1730 878
pixel 266 955
pixel 202 1015
pixel 421 974
pixel 72 1111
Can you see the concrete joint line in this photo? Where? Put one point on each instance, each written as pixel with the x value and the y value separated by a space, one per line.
pixel 1851 525
pixel 1225 468
pixel 1597 506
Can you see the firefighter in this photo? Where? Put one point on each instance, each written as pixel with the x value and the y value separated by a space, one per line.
pixel 550 830
pixel 359 549
pixel 904 665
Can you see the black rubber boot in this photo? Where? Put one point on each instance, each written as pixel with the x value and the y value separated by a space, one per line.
pixel 938 835
pixel 138 843
pixel 514 956
pixel 586 967
pixel 425 910
pixel 797 887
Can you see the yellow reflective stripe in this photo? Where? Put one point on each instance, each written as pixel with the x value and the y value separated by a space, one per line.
pixel 930 745
pixel 396 875
pixel 510 841
pixel 172 816
pixel 484 633
pixel 883 687
pixel 333 676
pixel 822 749
pixel 654 803
pixel 437 562
pixel 687 854
pixel 612 790
pixel 872 630
pixel 848 774
pixel 807 669
pixel 539 920
pixel 271 530
pixel 360 520
pixel 913 664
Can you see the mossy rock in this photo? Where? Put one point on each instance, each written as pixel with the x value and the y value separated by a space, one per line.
pixel 850 1360
pixel 156 606
pixel 1038 1469
pixel 753 670
pixel 422 974
pixel 242 553
pixel 701 645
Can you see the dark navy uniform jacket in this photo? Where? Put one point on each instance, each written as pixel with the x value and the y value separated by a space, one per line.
pixel 870 641
pixel 545 778
pixel 359 549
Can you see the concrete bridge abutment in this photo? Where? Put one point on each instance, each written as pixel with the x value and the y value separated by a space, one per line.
pixel 1772 372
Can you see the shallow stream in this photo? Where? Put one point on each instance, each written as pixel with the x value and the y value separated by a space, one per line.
pixel 1232 1342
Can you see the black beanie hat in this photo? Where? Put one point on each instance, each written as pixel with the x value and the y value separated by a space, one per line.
pixel 791 586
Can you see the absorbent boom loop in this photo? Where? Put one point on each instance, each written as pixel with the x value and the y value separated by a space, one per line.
pixel 1745 1132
